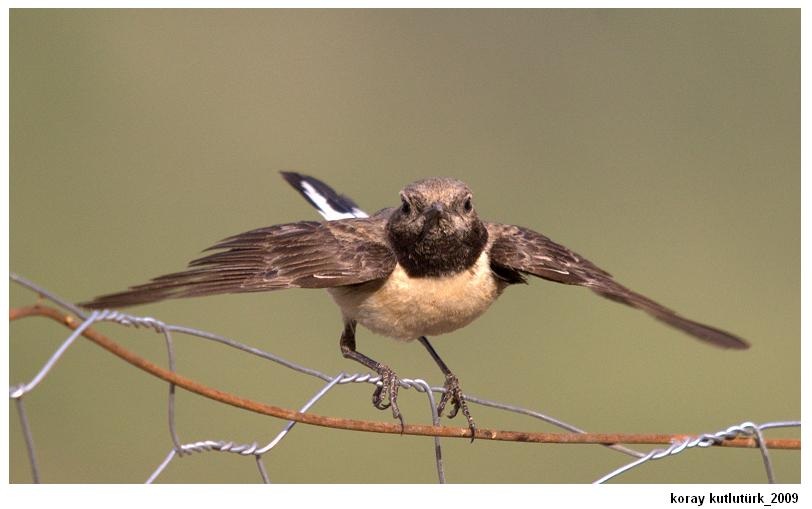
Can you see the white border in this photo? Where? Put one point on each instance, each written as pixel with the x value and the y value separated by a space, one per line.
pixel 389 496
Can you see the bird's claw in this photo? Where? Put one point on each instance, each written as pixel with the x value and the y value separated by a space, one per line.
pixel 386 393
pixel 453 394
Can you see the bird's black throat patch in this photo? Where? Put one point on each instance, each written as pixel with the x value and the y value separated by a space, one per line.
pixel 437 252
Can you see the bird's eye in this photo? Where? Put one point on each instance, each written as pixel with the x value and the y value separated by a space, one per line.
pixel 405 207
pixel 468 206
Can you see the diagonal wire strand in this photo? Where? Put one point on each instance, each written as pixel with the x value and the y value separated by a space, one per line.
pixel 22 389
pixel 305 408
pixel 29 440
pixel 243 449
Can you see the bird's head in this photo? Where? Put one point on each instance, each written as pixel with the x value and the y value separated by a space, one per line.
pixel 436 230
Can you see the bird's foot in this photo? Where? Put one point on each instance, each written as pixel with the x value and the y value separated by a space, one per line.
pixel 453 394
pixel 386 393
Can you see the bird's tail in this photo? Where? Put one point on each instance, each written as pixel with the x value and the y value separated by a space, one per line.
pixel 324 198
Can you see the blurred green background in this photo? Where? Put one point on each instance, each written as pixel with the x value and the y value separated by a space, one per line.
pixel 663 145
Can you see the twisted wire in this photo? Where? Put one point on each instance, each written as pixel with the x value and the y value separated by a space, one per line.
pixel 747 429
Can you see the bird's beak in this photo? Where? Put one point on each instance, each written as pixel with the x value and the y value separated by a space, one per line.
pixel 432 216
pixel 433 213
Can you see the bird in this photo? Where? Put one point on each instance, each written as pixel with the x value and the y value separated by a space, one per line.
pixel 426 267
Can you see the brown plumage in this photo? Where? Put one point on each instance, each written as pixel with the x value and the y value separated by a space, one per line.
pixel 306 254
pixel 519 250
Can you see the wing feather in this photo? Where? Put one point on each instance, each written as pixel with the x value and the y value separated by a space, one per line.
pixel 306 254
pixel 516 251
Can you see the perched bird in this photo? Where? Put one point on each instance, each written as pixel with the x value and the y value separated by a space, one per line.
pixel 427 267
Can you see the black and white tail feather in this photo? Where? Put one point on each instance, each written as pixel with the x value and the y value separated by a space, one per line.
pixel 324 198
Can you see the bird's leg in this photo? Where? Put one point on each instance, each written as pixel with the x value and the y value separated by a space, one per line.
pixel 453 392
pixel 390 383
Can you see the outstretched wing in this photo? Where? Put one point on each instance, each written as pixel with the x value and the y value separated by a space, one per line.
pixel 516 251
pixel 306 254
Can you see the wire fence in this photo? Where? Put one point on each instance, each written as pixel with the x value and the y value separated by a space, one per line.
pixel 746 434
